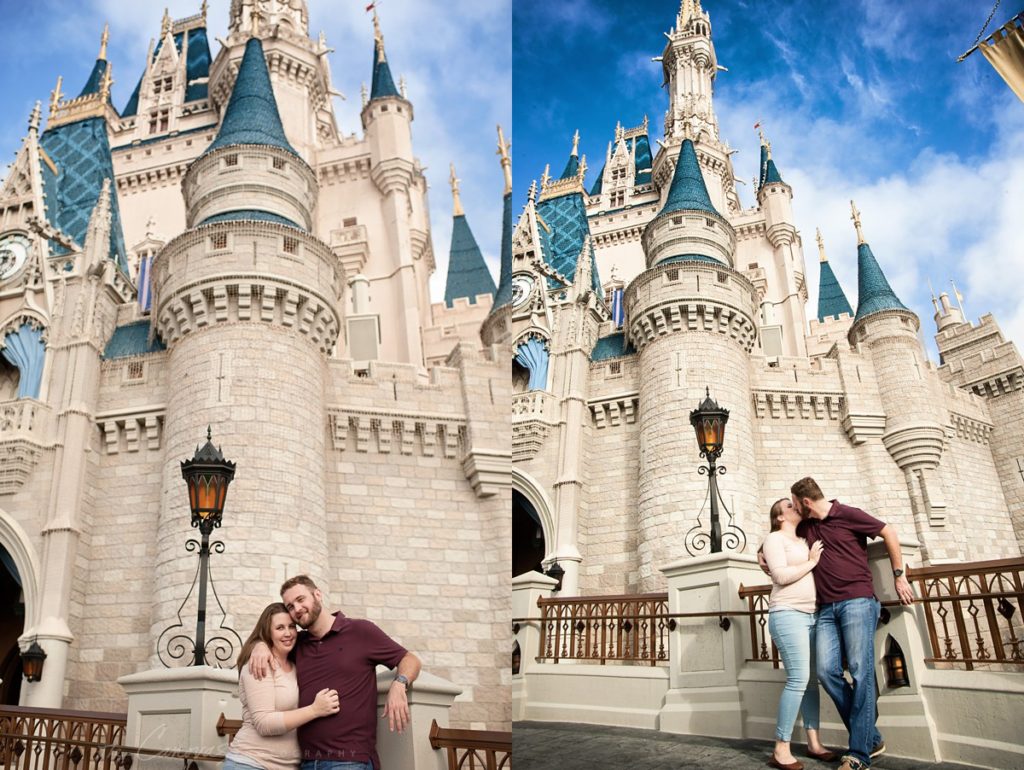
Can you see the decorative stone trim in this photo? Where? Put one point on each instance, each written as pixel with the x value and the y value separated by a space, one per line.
pixel 861 427
pixel 408 433
pixel 489 471
pixel 1000 385
pixel 131 430
pixel 17 459
pixel 344 170
pixel 799 405
pixel 916 446
pixel 615 410
pixel 970 428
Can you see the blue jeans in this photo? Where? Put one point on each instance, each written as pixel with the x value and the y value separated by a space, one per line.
pixel 231 763
pixel 847 629
pixel 793 634
pixel 334 764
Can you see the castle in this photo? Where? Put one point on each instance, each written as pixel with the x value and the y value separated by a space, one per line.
pixel 216 255
pixel 636 298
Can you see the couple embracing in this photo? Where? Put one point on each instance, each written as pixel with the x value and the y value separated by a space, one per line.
pixel 823 611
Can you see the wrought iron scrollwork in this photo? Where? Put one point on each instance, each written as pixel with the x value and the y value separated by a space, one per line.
pixel 699 541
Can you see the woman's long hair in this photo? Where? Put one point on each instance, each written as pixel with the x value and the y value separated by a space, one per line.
pixel 261 633
pixel 775 512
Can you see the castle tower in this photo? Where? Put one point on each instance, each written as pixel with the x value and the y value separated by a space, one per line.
pixel 690 65
pixel 468 275
pixel 248 281
pixel 885 331
pixel 497 328
pixel 786 337
pixel 691 317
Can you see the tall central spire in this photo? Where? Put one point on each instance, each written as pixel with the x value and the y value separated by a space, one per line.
pixel 383 84
pixel 690 66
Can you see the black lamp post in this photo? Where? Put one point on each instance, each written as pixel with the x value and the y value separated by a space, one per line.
pixel 207 475
pixel 709 421
pixel 32 662
pixel 555 571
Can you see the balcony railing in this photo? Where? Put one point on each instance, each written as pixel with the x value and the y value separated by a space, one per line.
pixel 532 404
pixel 22 416
pixel 762 648
pixel 51 739
pixel 631 629
pixel 473 749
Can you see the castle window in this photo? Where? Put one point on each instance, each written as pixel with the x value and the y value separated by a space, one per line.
pixel 723 277
pixel 710 223
pixel 677 220
pixel 218 241
pixel 136 370
pixel 383 108
pixel 349 222
pixel 291 245
pixel 672 275
pixel 279 164
pixel 231 160
pixel 615 367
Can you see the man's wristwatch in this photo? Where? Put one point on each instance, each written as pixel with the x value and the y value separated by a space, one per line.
pixel 897 573
pixel 404 680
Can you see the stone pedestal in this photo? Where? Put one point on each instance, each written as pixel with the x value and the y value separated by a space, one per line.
pixel 430 698
pixel 526 590
pixel 704 696
pixel 177 709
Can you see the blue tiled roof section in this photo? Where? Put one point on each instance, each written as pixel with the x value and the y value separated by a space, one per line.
pixel 92 85
pixel 690 258
pixel 832 301
pixel 198 64
pixel 249 215
pixel 504 293
pixel 873 291
pixel 81 153
pixel 132 107
pixel 251 116
pixel 132 340
pixel 643 160
pixel 612 346
pixel 566 216
pixel 688 191
pixel 468 275
pixel 383 84
pixel 596 189
pixel 769 172
pixel 572 168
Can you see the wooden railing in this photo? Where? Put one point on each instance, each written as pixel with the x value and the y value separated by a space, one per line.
pixel 762 648
pixel 631 628
pixel 473 749
pixel 974 612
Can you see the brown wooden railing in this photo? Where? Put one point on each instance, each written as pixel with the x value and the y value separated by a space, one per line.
pixel 974 612
pixel 473 749
pixel 632 628
pixel 762 648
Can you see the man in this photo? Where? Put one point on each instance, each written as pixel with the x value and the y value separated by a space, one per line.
pixel 341 653
pixel 848 610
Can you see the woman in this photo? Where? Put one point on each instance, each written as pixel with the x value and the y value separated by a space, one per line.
pixel 267 739
pixel 791 618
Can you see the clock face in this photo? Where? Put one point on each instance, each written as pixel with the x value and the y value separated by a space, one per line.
pixel 13 254
pixel 522 285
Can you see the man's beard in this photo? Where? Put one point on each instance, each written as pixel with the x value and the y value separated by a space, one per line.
pixel 314 613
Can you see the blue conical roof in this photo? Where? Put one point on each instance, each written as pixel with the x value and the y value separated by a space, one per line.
pixel 468 275
pixel 383 84
pixel 252 116
pixel 831 299
pixel 504 293
pixel 873 291
pixel 769 172
pixel 688 191
pixel 572 168
pixel 95 81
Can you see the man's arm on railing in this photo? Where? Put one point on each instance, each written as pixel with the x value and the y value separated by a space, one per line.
pixel 892 546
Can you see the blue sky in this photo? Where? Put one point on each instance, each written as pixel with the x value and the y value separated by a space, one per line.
pixel 459 80
pixel 861 99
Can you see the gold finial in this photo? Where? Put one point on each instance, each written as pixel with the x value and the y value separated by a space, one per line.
pixel 203 9
pixel 618 131
pixel 821 246
pixel 583 168
pixel 363 93
pixel 255 20
pixel 165 24
pixel 576 143
pixel 456 203
pixel 103 41
pixel 378 36
pixel 760 133
pixel 645 122
pixel 105 84
pixel 545 177
pixel 532 192
pixel 768 149
pixel 506 160
pixel 855 216
pixel 33 120
pixel 55 95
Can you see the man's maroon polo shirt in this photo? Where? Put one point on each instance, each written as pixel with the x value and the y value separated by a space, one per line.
pixel 345 659
pixel 842 573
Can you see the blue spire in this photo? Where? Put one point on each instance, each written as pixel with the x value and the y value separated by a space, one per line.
pixel 468 275
pixel 831 299
pixel 95 81
pixel 383 84
pixel 769 172
pixel 572 168
pixel 873 291
pixel 688 191
pixel 252 116
pixel 504 293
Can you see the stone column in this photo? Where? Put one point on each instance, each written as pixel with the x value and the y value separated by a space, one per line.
pixel 526 590
pixel 430 699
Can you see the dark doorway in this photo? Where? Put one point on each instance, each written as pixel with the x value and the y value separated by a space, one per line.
pixel 527 536
pixel 12 624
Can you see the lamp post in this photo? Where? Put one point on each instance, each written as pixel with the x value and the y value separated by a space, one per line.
pixel 708 422
pixel 207 475
pixel 32 662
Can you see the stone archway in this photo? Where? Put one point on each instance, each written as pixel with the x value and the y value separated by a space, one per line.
pixel 19 581
pixel 532 526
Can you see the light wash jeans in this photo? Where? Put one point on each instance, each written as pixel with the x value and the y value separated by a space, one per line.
pixel 235 763
pixel 846 629
pixel 793 634
pixel 335 764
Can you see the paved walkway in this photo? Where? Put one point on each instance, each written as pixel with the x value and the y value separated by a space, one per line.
pixel 562 746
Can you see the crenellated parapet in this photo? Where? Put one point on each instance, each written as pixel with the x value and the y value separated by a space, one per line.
pixel 691 296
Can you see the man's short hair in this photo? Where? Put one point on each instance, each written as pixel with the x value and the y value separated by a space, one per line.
pixel 807 487
pixel 299 580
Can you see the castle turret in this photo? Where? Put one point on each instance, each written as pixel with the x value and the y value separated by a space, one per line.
pixel 688 309
pixel 468 275
pixel 497 328
pixel 246 281
pixel 572 166
pixel 832 302
pixel 885 330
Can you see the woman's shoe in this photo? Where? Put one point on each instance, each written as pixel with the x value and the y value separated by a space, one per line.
pixel 773 762
pixel 825 756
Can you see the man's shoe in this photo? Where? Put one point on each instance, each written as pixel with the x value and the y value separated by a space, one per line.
pixel 851 763
pixel 824 756
pixel 878 750
pixel 773 762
